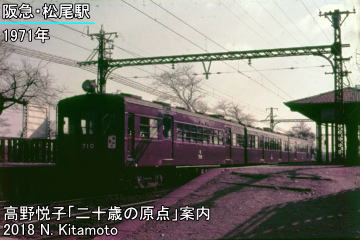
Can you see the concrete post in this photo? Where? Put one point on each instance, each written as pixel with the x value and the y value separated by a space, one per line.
pixel 318 143
pixel 332 142
pixel 352 145
pixel 327 142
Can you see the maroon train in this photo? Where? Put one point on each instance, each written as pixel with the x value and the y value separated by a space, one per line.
pixel 125 132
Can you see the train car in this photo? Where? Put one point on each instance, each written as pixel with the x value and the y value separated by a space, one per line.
pixel 117 132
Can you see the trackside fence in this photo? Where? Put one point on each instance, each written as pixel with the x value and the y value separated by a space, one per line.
pixel 27 150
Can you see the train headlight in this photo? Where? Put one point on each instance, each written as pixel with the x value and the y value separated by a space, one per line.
pixel 89 86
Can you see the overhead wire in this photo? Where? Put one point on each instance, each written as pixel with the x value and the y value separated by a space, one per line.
pixel 234 72
pixel 190 41
pixel 196 30
pixel 250 16
pixel 278 22
pixel 307 9
pixel 243 22
pixel 262 75
pixel 265 30
pixel 291 21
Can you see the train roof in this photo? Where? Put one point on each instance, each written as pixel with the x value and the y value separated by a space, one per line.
pixel 85 97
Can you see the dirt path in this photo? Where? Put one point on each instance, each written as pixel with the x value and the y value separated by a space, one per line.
pixel 279 202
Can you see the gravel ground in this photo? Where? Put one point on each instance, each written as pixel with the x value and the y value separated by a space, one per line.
pixel 269 202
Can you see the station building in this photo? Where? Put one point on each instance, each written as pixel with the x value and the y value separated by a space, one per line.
pixel 321 109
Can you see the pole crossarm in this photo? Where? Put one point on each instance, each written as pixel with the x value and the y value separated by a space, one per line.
pixel 288 120
pixel 293 120
pixel 321 50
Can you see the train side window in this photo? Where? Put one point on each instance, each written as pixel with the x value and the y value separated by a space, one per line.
pixel 153 128
pixel 274 144
pixel 261 141
pixel 180 131
pixel 228 137
pixel 280 144
pixel 233 140
pixel 131 124
pixel 291 147
pixel 66 125
pixel 251 139
pixel 187 133
pixel 191 133
pixel 221 138
pixel 148 127
pixel 266 143
pixel 215 138
pixel 144 127
pixel 240 140
pixel 199 134
pixel 256 141
pixel 206 135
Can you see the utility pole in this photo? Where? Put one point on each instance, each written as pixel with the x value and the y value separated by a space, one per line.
pixel 271 117
pixel 338 70
pixel 104 55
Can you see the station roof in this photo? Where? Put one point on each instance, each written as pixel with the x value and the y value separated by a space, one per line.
pixel 321 107
pixel 350 95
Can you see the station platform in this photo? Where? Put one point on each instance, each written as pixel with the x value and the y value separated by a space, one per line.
pixel 25 164
pixel 261 202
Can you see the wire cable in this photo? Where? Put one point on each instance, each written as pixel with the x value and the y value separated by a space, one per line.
pixel 307 9
pixel 190 41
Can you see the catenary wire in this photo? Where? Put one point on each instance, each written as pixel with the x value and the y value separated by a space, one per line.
pixel 190 41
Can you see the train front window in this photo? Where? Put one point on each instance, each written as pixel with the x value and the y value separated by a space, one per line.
pixel 87 126
pixel 65 125
pixel 87 123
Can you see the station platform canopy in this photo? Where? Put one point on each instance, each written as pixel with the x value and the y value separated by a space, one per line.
pixel 321 109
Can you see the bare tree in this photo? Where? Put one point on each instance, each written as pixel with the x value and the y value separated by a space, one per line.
pixel 24 83
pixel 301 130
pixel 233 111
pixel 185 85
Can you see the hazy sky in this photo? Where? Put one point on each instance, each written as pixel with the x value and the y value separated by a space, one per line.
pixel 233 25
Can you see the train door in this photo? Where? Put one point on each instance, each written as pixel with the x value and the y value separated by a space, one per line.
pixel 131 135
pixel 264 146
pixel 228 154
pixel 280 149
pixel 168 134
